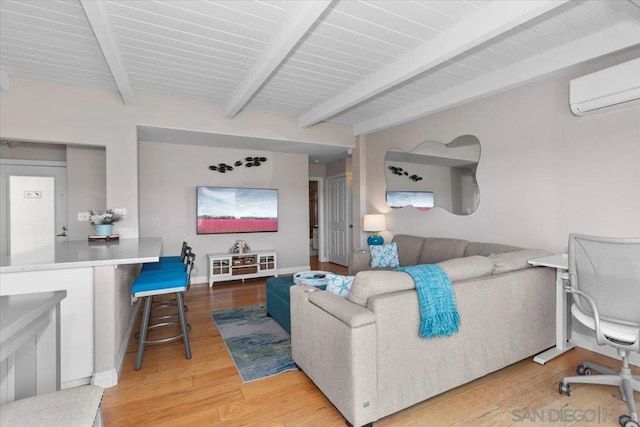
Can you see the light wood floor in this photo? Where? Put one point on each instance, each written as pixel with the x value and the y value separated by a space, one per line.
pixel 207 391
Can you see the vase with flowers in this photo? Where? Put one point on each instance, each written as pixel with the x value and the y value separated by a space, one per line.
pixel 103 220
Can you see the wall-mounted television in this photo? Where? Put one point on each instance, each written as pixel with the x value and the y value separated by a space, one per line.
pixel 421 200
pixel 236 210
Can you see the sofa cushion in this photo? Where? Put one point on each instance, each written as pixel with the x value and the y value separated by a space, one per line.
pixel 384 255
pixel 340 285
pixel 486 249
pixel 370 283
pixel 515 260
pixel 437 249
pixel 467 267
pixel 409 248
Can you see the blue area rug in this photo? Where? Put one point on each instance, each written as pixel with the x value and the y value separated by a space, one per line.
pixel 258 345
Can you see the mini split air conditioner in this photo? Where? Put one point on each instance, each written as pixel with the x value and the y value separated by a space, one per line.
pixel 613 87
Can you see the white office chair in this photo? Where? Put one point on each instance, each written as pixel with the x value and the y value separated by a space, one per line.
pixel 604 279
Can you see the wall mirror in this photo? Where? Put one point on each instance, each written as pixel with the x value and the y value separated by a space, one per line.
pixel 434 175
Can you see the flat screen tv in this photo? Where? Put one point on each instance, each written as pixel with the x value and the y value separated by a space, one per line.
pixel 236 210
pixel 421 200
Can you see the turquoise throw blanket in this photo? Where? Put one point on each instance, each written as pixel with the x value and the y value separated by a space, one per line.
pixel 438 313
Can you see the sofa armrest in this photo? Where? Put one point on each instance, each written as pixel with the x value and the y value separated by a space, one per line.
pixel 334 342
pixel 350 314
pixel 359 261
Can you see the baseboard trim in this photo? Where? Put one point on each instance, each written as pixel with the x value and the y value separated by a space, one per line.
pixel 199 279
pixel 75 383
pixel 105 379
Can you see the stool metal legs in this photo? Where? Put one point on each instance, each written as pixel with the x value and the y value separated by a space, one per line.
pixel 144 329
pixel 143 332
pixel 183 325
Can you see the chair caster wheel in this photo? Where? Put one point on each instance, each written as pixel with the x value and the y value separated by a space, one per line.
pixel 564 389
pixel 583 370
pixel 626 421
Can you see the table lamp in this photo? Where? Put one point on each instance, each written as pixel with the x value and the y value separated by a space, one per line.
pixel 375 223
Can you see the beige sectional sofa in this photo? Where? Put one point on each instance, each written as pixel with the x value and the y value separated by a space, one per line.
pixel 364 351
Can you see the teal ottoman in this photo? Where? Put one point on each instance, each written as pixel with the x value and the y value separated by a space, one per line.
pixel 278 300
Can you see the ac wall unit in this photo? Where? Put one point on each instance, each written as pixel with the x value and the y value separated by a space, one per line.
pixel 606 89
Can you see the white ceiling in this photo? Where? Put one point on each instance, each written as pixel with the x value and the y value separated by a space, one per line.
pixel 370 64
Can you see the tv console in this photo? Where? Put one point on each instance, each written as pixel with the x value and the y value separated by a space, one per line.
pixel 228 266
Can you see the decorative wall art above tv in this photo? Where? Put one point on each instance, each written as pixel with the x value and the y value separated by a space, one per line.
pixel 249 162
pixel 236 210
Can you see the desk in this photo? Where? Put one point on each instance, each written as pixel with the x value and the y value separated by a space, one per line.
pixel 563 332
pixel 29 344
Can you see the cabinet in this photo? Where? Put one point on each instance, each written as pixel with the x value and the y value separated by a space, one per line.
pixel 226 266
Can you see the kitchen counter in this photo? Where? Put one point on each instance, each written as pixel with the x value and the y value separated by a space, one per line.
pixel 76 254
pixel 98 315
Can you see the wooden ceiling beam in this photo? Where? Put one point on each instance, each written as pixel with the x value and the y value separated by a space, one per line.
pixel 497 18
pixel 301 17
pixel 619 37
pixel 100 24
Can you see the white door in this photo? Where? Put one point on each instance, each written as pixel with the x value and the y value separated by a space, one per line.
pixel 34 205
pixel 338 195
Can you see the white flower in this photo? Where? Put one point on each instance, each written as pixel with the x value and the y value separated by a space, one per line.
pixel 99 217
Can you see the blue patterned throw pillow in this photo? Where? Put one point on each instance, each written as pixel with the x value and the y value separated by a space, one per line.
pixel 339 285
pixel 384 255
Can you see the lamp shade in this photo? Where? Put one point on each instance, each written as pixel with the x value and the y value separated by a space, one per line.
pixel 374 223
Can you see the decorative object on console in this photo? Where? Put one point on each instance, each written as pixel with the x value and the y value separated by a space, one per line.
pixel 249 162
pixel 240 247
pixel 385 256
pixel 375 223
pixel 103 220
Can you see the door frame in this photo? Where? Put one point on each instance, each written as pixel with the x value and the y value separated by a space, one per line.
pixel 4 194
pixel 322 226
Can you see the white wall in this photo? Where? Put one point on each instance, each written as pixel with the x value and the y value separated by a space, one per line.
pixel 169 175
pixel 86 187
pixel 317 171
pixel 46 112
pixel 543 172
pixel 33 151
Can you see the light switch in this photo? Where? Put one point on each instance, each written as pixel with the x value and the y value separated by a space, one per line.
pixel 83 216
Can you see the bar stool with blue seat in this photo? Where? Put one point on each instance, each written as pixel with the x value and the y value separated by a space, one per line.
pixel 169 262
pixel 161 301
pixel 163 282
pixel 175 258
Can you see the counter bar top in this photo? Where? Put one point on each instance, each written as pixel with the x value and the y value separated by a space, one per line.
pixel 76 254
